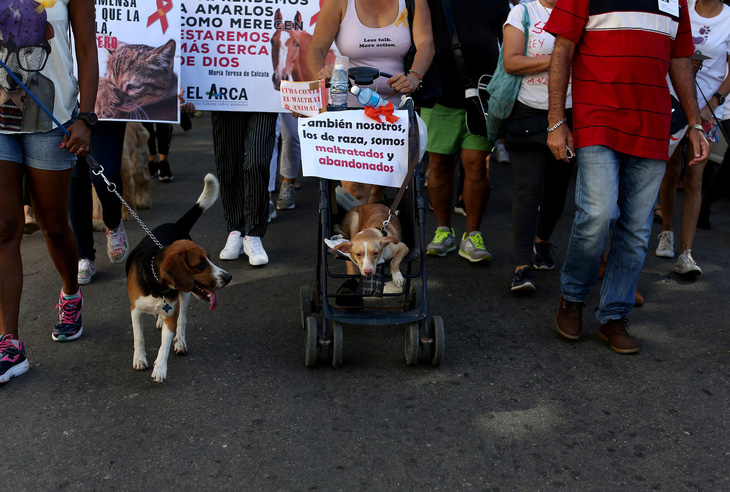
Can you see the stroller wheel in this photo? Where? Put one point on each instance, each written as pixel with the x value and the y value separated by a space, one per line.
pixel 310 342
pixel 337 345
pixel 437 333
pixel 411 344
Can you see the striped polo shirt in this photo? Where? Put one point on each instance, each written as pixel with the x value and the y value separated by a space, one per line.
pixel 620 94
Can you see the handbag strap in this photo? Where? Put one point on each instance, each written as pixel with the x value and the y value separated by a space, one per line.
pixel 456 45
pixel 411 7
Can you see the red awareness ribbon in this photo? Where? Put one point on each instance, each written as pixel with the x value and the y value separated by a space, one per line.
pixel 163 7
pixel 386 111
pixel 313 20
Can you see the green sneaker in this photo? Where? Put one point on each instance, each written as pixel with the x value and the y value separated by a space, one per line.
pixel 472 248
pixel 444 241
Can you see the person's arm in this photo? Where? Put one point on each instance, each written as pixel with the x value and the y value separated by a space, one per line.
pixel 723 90
pixel 515 61
pixel 328 23
pixel 423 40
pixel 681 75
pixel 558 78
pixel 82 17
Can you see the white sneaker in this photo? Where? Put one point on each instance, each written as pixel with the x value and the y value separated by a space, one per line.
pixel 233 248
pixel 686 265
pixel 87 269
pixel 255 251
pixel 117 245
pixel 666 245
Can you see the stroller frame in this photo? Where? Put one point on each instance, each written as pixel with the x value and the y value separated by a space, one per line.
pixel 424 334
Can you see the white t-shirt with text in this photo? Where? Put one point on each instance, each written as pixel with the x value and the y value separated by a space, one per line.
pixel 534 88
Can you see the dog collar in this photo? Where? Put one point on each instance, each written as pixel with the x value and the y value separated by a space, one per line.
pixel 165 305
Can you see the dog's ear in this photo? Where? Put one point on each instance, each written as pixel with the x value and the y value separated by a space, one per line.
pixel 386 240
pixel 175 272
pixel 345 247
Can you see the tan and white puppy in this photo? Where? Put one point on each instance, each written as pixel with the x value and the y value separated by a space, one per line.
pixel 367 245
pixel 160 282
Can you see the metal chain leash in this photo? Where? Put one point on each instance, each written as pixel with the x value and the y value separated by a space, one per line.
pixel 98 170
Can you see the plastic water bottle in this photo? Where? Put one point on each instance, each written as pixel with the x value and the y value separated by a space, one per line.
pixel 338 89
pixel 368 97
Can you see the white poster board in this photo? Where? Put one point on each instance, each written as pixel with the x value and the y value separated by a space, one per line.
pixel 139 60
pixel 235 54
pixel 347 145
pixel 306 98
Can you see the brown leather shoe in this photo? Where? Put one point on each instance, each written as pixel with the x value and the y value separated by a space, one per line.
pixel 638 299
pixel 616 333
pixel 569 319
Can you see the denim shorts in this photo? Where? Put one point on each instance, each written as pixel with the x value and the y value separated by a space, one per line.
pixel 37 150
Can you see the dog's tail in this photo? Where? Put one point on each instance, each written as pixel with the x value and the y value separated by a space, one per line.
pixel 206 200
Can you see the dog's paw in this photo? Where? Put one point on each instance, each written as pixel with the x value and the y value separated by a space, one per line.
pixel 159 373
pixel 140 363
pixel 181 348
pixel 398 279
pixel 160 322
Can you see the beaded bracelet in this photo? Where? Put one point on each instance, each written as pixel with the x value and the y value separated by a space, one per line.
pixel 556 125
pixel 420 78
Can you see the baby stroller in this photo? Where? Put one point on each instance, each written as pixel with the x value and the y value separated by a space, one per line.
pixel 372 304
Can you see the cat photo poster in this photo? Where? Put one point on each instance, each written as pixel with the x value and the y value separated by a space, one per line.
pixel 139 60
pixel 235 55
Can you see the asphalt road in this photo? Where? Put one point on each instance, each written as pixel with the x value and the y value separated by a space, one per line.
pixel 513 406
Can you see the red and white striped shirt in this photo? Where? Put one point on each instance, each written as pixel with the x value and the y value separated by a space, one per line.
pixel 620 94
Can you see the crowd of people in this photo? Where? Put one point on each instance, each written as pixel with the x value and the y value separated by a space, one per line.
pixel 593 101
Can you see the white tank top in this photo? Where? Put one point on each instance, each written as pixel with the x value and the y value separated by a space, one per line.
pixel 383 48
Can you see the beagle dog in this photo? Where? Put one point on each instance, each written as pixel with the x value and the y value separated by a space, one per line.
pixel 161 279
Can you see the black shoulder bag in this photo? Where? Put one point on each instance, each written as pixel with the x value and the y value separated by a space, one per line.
pixel 476 115
pixel 430 90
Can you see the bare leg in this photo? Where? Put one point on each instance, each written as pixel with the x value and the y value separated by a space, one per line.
pixel 691 203
pixel 441 186
pixel 11 233
pixel 359 190
pixel 477 187
pixel 49 191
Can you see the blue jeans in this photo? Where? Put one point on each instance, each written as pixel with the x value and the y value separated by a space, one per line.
pixel 614 197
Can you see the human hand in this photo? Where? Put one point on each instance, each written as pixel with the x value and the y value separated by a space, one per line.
pixel 699 141
pixel 185 107
pixel 325 72
pixel 560 141
pixel 404 83
pixel 80 141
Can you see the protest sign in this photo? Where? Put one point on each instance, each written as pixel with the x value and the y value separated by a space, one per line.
pixel 139 63
pixel 235 55
pixel 346 145
pixel 306 98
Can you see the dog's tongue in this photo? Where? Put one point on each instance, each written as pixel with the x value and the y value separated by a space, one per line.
pixel 213 300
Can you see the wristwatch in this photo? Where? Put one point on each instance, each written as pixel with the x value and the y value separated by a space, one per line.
pixel 89 118
pixel 720 98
